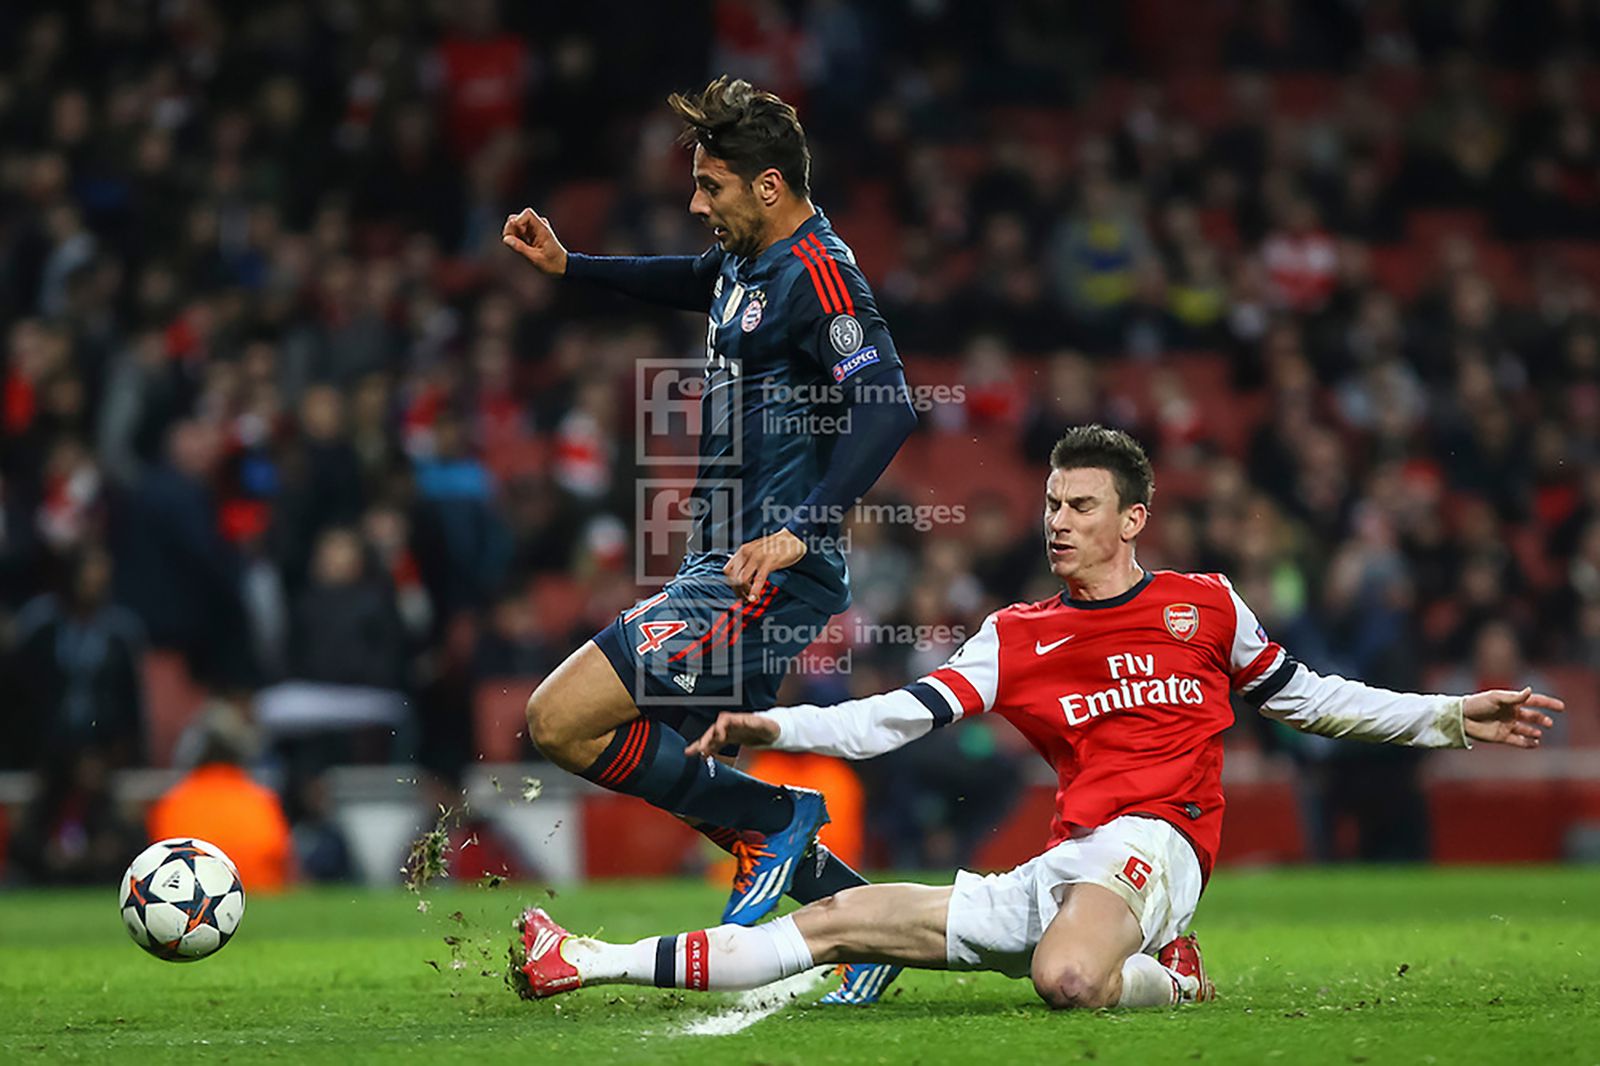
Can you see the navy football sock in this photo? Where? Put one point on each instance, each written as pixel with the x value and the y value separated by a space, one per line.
pixel 646 759
pixel 819 875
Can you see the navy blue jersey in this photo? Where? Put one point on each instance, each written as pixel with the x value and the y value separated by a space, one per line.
pixel 793 333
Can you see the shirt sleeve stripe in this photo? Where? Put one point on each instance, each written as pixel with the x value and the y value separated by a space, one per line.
pixel 1258 667
pixel 813 257
pixel 826 257
pixel 930 698
pixel 816 279
pixel 1272 685
pixel 952 701
pixel 963 690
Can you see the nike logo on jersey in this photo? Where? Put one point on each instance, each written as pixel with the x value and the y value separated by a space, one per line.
pixel 1040 648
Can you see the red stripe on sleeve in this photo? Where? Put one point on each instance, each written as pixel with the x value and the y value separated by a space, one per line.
pixel 696 961
pixel 816 279
pixel 1258 666
pixel 971 702
pixel 812 256
pixel 823 255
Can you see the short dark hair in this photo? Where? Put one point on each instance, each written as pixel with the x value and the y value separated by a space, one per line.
pixel 1108 449
pixel 746 128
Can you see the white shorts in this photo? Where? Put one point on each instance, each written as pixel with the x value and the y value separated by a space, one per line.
pixel 996 920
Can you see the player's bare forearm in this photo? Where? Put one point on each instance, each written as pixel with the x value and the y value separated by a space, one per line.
pixel 746 730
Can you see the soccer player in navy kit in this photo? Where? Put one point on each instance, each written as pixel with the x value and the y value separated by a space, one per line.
pixel 804 404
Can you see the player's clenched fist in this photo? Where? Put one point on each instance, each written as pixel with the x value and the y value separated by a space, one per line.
pixel 753 729
pixel 530 236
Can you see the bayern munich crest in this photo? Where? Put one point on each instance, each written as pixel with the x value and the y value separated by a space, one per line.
pixel 1183 620
pixel 752 314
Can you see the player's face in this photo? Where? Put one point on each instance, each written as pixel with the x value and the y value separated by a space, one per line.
pixel 727 204
pixel 1086 530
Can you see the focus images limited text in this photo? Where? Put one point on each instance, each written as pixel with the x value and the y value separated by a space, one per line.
pixel 828 413
pixel 849 636
pixel 921 517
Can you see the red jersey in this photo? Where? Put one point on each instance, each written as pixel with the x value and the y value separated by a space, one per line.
pixel 1127 697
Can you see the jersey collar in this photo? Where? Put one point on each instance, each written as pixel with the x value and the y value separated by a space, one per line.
pixel 1115 601
pixel 781 248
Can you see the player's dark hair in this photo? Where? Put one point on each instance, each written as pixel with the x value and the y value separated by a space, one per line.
pixel 746 128
pixel 1100 448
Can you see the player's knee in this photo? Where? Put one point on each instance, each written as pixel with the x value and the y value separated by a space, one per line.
pixel 545 727
pixel 1069 985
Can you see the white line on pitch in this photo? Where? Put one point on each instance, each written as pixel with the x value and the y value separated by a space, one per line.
pixel 752 1006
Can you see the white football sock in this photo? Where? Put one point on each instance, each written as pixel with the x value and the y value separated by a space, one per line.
pixel 744 958
pixel 1147 983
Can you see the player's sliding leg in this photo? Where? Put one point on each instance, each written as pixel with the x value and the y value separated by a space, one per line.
pixel 585 720
pixel 1089 956
pixel 821 874
pixel 899 924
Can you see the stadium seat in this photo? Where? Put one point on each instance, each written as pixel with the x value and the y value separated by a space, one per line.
pixel 499 723
pixel 558 600
pixel 1203 97
pixel 172 699
pixel 1430 227
pixel 624 837
pixel 582 209
pixel 1304 95
pixel 1579 687
pixel 1580 257
pixel 1401 269
pixel 510 457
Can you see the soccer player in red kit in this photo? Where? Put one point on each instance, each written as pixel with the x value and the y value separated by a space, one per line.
pixel 1123 684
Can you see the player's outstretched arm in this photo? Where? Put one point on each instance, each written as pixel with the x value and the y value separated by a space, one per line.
pixel 680 281
pixel 1334 706
pixel 855 729
pixel 1271 680
pixel 1500 716
pixel 967 684
pixel 745 730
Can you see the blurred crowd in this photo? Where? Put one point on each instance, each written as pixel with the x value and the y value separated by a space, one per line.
pixel 275 398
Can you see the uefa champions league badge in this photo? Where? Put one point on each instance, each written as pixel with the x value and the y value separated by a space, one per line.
pixel 752 311
pixel 845 334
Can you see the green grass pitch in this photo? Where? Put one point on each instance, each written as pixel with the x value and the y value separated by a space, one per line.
pixel 1313 966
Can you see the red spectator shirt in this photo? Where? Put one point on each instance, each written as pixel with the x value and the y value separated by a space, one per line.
pixel 484 82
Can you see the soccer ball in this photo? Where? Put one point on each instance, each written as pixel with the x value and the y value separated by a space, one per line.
pixel 181 899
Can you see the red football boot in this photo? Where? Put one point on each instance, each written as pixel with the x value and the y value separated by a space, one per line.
pixel 1182 956
pixel 544 971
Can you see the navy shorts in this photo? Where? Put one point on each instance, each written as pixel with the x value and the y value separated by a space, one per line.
pixel 696 648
